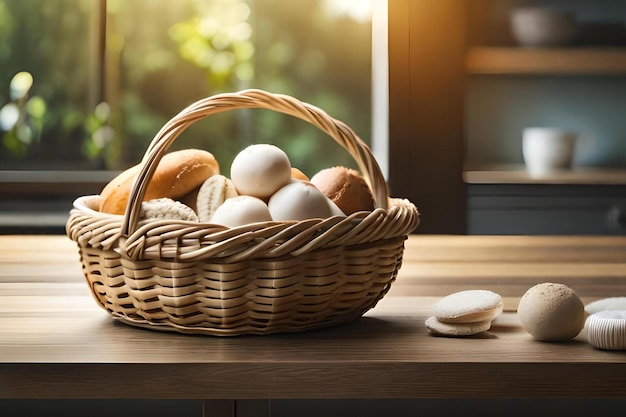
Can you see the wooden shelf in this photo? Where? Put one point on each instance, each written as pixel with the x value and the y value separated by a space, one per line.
pixel 572 61
pixel 517 174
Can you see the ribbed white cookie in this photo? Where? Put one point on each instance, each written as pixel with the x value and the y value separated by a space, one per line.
pixel 468 306
pixel 611 303
pixel 456 329
pixel 607 330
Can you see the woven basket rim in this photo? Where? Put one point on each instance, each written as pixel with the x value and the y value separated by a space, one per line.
pixel 154 238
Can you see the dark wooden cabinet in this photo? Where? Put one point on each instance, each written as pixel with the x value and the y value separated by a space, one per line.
pixel 541 209
pixel 444 55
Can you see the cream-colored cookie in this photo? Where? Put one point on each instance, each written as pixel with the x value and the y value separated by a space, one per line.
pixel 607 330
pixel 166 208
pixel 468 306
pixel 611 303
pixel 456 329
pixel 213 192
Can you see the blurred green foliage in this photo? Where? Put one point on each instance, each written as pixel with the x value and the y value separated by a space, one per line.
pixel 163 55
pixel 49 41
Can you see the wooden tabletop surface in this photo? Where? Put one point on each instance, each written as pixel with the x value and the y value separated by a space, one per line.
pixel 55 342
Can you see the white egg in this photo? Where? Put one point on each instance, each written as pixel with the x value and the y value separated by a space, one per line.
pixel 260 170
pixel 301 200
pixel 241 210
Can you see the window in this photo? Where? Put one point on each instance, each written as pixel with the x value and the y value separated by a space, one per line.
pixel 89 82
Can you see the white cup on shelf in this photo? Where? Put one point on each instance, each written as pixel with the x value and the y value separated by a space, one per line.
pixel 542 26
pixel 548 149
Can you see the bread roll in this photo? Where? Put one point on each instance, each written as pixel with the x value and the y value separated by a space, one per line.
pixel 296 174
pixel 213 193
pixel 166 208
pixel 346 188
pixel 178 174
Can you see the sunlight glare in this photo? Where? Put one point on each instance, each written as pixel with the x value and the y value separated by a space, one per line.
pixel 357 10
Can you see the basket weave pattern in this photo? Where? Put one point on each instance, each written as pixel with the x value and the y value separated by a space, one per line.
pixel 259 278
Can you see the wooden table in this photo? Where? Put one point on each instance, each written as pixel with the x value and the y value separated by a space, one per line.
pixel 55 342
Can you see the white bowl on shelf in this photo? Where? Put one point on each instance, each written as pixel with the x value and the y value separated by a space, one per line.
pixel 547 149
pixel 543 27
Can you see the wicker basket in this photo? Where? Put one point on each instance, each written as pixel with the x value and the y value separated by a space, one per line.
pixel 259 278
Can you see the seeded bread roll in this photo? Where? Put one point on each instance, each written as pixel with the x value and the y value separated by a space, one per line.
pixel 177 175
pixel 166 208
pixel 346 188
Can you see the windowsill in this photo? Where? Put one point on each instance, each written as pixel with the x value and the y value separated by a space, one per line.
pixel 53 182
pixel 40 201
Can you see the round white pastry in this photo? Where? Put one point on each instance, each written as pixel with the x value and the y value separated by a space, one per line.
pixel 241 210
pixel 260 170
pixel 212 194
pixel 456 329
pixel 611 303
pixel 607 330
pixel 468 306
pixel 166 208
pixel 551 312
pixel 301 200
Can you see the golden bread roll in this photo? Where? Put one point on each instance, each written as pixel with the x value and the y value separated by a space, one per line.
pixel 178 174
pixel 346 188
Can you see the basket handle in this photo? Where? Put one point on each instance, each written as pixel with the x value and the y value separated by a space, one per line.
pixel 251 99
